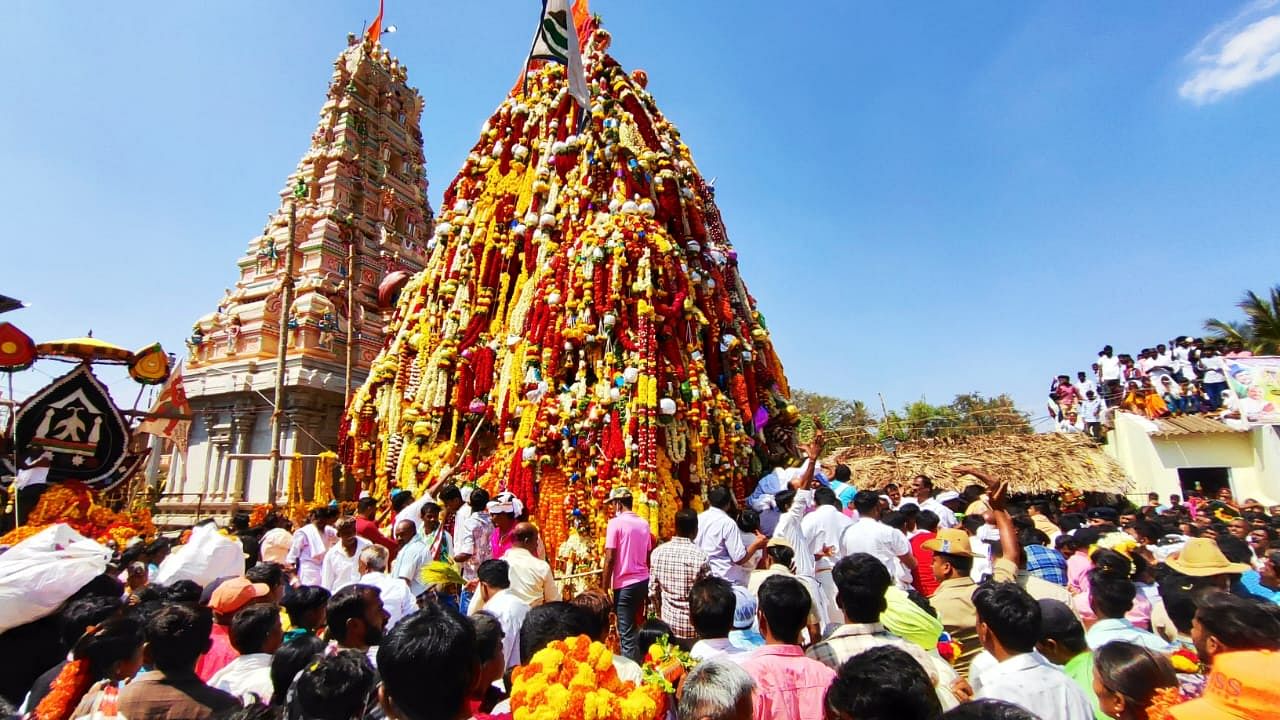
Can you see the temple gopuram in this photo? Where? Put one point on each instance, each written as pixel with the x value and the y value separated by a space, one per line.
pixel 580 323
pixel 357 202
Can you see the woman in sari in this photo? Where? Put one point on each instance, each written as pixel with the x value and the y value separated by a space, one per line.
pixel 1154 407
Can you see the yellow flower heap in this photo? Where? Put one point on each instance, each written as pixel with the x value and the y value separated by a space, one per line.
pixel 575 678
pixel 580 324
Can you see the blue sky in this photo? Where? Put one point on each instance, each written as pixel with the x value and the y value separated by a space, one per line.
pixel 927 199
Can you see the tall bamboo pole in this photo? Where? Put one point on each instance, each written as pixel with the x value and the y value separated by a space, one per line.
pixel 351 320
pixel 286 305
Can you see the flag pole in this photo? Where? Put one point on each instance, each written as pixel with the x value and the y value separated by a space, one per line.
pixel 13 446
pixel 524 76
pixel 351 319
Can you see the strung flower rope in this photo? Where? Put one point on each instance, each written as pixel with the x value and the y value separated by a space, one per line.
pixel 65 692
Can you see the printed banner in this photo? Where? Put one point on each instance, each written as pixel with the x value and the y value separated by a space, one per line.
pixel 1256 382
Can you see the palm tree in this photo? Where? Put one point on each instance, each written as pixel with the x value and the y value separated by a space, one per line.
pixel 1259 331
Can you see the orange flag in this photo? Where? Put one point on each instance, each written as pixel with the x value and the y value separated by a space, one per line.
pixel 583 21
pixel 374 33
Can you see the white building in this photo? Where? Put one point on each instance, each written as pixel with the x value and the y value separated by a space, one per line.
pixel 1172 456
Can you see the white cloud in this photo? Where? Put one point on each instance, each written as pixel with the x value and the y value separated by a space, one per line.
pixel 1236 55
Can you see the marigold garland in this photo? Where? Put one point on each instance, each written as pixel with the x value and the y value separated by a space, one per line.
pixel 1162 701
pixel 65 692
pixel 74 504
pixel 575 678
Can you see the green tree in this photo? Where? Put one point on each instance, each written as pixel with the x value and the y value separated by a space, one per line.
pixel 967 414
pixel 1259 332
pixel 991 416
pixel 846 421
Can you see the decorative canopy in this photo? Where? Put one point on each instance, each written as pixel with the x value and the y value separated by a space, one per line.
pixel 84 348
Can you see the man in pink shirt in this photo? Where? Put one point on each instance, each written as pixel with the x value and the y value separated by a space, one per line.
pixel 503 509
pixel 229 598
pixel 789 686
pixel 627 542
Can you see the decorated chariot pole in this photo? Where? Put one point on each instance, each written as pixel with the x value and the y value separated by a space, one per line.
pixel 581 322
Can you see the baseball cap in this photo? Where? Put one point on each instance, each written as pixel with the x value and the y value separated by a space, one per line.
pixel 207 593
pixel 744 609
pixel 950 541
pixel 1242 685
pixel 618 493
pixel 235 593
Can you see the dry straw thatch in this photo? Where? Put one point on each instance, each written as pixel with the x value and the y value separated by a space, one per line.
pixel 1047 463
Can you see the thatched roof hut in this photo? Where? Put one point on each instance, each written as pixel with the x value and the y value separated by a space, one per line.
pixel 1032 463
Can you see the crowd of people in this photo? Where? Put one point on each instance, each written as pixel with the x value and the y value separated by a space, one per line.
pixel 817 600
pixel 1186 376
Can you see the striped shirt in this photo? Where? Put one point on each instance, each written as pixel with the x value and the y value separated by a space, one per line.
pixel 675 566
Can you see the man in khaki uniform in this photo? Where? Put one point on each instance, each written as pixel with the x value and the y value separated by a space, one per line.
pixel 952 563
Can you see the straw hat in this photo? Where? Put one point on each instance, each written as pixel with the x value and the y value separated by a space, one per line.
pixel 1200 557
pixel 950 541
pixel 779 541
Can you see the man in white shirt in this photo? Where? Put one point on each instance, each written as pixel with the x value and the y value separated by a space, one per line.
pixel 255 634
pixel 1215 379
pixel 779 558
pixel 824 527
pixel 1008 628
pixel 1183 370
pixel 922 489
pixel 1091 414
pixel 1084 384
pixel 473 540
pixel 1163 364
pixel 413 556
pixel 530 576
pixel 719 538
pixel 310 543
pixel 1070 424
pixel 712 605
pixel 493 593
pixel 342 563
pixel 869 535
pixel 450 501
pixel 793 503
pixel 1109 375
pixel 1110 598
pixel 397 600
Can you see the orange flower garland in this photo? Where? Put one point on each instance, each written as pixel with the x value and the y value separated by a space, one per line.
pixel 259 515
pixel 575 678
pixel 65 692
pixel 1162 701
pixel 74 504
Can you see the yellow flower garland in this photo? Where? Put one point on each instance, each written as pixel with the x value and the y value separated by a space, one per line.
pixel 575 678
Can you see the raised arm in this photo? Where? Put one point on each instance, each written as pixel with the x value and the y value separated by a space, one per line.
pixel 998 492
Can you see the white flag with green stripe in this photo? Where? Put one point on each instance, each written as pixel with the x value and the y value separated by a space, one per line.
pixel 557 41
